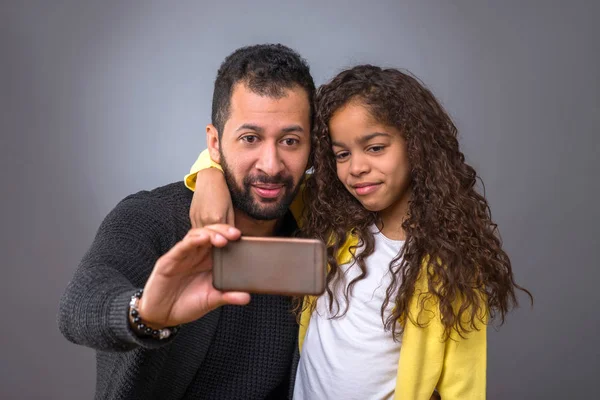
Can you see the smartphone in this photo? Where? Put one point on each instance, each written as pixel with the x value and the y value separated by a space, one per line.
pixel 272 265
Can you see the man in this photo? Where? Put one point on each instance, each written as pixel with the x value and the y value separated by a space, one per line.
pixel 180 338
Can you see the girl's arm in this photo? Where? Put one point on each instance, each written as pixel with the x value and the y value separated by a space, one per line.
pixel 455 367
pixel 211 203
pixel 464 365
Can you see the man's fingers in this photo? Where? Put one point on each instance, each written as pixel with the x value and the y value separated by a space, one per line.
pixel 184 253
pixel 189 244
pixel 199 239
pixel 217 299
pixel 226 231
pixel 236 298
pixel 195 245
pixel 215 238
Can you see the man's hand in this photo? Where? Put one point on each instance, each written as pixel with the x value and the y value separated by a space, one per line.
pixel 180 288
pixel 211 203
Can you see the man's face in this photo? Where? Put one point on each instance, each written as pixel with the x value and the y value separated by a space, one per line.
pixel 264 150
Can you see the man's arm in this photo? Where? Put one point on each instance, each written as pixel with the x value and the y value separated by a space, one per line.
pixel 127 254
pixel 94 308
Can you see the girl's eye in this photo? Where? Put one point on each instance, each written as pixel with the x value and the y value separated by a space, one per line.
pixel 376 149
pixel 342 155
pixel 250 139
pixel 290 141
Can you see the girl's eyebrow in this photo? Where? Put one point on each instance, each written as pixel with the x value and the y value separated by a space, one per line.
pixel 364 139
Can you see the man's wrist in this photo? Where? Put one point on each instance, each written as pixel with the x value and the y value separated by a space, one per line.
pixel 142 328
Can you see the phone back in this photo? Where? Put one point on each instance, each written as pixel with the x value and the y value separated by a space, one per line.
pixel 274 265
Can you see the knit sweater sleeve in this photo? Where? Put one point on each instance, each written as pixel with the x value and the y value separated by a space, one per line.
pixel 93 309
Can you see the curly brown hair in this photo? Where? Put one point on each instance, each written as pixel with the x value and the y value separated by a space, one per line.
pixel 450 234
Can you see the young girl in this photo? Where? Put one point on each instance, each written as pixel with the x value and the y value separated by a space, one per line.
pixel 416 268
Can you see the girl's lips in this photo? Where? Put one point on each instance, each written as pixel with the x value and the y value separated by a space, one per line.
pixel 268 191
pixel 364 189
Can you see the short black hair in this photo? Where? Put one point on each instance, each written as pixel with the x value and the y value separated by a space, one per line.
pixel 266 69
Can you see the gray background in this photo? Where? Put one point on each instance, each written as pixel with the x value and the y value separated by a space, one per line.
pixel 101 99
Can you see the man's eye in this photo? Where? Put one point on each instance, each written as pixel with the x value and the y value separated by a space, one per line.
pixel 290 142
pixel 249 139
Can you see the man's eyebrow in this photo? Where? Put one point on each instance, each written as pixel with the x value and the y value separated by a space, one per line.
pixel 256 128
pixel 364 139
pixel 250 127
pixel 292 128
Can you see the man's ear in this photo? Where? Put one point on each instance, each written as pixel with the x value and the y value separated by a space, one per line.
pixel 213 143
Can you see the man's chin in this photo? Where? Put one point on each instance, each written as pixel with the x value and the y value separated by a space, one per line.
pixel 272 212
pixel 267 209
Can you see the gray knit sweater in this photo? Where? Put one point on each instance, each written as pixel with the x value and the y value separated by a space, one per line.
pixel 230 353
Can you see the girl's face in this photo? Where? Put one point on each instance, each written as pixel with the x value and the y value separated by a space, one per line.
pixel 371 161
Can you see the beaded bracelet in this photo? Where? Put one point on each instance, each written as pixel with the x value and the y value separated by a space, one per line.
pixel 140 327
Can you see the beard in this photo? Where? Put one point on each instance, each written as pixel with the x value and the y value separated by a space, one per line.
pixel 263 209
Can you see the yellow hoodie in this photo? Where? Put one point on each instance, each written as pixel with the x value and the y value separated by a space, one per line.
pixel 456 367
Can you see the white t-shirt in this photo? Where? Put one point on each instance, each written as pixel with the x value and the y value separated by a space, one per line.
pixel 353 357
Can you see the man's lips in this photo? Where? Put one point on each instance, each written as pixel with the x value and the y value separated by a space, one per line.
pixel 268 190
pixel 364 188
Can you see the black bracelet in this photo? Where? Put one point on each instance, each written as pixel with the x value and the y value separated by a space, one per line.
pixel 140 327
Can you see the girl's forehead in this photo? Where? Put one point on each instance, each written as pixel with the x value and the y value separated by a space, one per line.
pixel 357 118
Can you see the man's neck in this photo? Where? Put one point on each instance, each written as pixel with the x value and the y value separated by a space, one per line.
pixel 253 227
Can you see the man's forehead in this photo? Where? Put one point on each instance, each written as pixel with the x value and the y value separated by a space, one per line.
pixel 293 99
pixel 250 110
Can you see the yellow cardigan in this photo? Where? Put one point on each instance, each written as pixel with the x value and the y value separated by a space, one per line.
pixel 455 367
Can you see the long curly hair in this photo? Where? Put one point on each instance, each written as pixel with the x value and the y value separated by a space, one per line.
pixel 450 235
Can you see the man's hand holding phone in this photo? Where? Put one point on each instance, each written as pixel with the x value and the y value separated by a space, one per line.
pixel 180 288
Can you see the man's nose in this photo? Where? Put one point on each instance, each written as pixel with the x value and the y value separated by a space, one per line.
pixel 270 161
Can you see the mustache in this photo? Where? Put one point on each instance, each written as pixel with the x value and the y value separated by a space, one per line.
pixel 278 179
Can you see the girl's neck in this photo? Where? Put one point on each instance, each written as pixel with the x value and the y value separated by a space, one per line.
pixel 392 229
pixel 390 219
